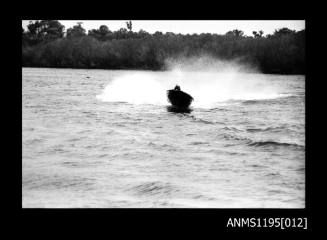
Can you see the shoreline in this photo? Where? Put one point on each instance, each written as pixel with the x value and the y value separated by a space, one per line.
pixel 153 70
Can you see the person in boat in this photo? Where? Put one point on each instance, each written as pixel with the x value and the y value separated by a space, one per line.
pixel 177 88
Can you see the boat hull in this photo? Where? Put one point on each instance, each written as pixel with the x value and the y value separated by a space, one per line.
pixel 179 99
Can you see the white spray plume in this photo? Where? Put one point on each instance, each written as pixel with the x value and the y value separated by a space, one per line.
pixel 136 88
pixel 208 80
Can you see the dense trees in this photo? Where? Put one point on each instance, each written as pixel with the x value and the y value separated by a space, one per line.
pixel 76 31
pixel 45 45
pixel 42 31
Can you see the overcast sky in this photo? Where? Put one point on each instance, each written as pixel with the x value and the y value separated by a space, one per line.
pixel 189 26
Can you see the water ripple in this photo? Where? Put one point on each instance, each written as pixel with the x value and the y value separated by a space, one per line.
pixel 275 144
pixel 154 188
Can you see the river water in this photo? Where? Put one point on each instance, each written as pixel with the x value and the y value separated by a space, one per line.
pixel 106 139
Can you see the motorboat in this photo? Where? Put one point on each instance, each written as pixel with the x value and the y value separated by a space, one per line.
pixel 178 98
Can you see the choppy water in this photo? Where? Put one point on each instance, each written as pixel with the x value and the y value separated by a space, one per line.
pixel 100 138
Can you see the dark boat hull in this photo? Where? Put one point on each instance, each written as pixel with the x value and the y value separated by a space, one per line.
pixel 174 109
pixel 179 99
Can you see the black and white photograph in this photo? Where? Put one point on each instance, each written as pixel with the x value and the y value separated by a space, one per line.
pixel 163 114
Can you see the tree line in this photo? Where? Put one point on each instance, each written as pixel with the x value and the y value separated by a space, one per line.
pixel 45 43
